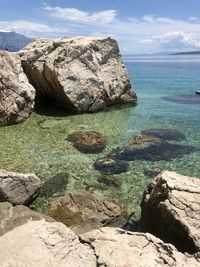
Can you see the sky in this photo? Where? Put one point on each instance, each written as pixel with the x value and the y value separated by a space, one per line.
pixel 139 26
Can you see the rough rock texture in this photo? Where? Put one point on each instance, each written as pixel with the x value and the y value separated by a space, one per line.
pixel 78 73
pixel 116 248
pixel 44 244
pixel 18 188
pixel 16 94
pixel 82 211
pixel 171 210
pixel 11 217
pixel 88 141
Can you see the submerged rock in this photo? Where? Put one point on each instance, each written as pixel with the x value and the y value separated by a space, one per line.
pixel 88 142
pixel 108 165
pixel 109 180
pixel 56 184
pixel 44 244
pixel 116 247
pixel 141 138
pixel 11 217
pixel 18 188
pixel 165 134
pixel 183 99
pixel 16 94
pixel 84 74
pixel 82 211
pixel 152 151
pixel 171 210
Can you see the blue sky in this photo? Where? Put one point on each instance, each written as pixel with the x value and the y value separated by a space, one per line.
pixel 140 26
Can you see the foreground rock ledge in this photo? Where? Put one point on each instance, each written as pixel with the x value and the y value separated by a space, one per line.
pixel 171 210
pixel 116 248
pixel 84 74
pixel 19 188
pixel 16 94
pixel 43 244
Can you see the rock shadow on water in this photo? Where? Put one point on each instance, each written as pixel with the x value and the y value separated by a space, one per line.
pixel 152 151
pixel 56 185
pixel 164 134
pixel 184 99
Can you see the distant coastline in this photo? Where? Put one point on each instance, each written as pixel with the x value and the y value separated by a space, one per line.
pixel 187 53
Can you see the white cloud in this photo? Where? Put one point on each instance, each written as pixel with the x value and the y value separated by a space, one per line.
pixel 30 28
pixel 76 15
pixel 175 40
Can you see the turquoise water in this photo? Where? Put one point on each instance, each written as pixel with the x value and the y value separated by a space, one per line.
pixel 39 144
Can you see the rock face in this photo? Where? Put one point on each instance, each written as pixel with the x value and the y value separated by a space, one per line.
pixel 170 210
pixel 11 217
pixel 82 211
pixel 84 74
pixel 44 244
pixel 88 141
pixel 18 188
pixel 108 166
pixel 16 94
pixel 116 248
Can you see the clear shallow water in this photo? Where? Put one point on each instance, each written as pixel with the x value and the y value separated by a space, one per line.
pixel 38 145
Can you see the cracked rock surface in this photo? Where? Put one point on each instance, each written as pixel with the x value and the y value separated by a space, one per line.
pixel 116 248
pixel 84 74
pixel 11 217
pixel 16 94
pixel 171 210
pixel 19 188
pixel 44 244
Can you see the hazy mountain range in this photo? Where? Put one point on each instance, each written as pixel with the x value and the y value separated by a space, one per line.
pixel 13 41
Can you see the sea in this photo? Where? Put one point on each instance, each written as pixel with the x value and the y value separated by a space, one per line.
pixel 165 88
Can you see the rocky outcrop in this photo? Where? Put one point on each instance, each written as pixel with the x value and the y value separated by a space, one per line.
pixel 170 210
pixel 11 217
pixel 16 94
pixel 82 211
pixel 115 248
pixel 84 74
pixel 18 188
pixel 44 244
pixel 88 141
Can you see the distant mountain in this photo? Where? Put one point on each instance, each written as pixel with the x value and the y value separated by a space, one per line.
pixel 13 41
pixel 187 53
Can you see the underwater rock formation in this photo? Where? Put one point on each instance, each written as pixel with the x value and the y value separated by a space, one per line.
pixel 165 134
pixel 88 141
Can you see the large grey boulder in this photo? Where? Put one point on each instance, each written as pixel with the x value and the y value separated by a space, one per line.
pixel 171 210
pixel 44 244
pixel 83 212
pixel 16 94
pixel 84 74
pixel 13 216
pixel 116 248
pixel 19 188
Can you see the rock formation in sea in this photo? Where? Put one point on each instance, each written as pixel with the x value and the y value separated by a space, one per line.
pixel 171 210
pixel 17 95
pixel 84 74
pixel 18 188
